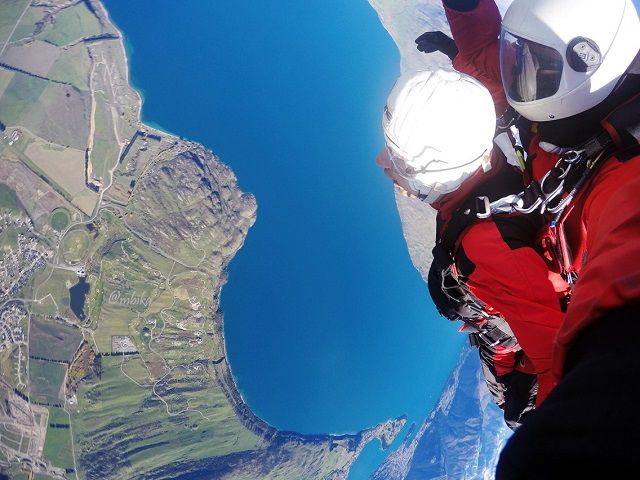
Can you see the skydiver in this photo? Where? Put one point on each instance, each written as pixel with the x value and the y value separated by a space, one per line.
pixel 571 70
pixel 446 158
pixel 572 67
pixel 531 298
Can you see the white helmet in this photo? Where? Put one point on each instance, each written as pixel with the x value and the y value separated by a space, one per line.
pixel 438 128
pixel 562 57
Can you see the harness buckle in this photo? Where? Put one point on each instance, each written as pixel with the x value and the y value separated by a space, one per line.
pixel 484 203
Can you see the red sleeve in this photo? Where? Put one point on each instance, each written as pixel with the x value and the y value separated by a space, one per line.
pixel 515 281
pixel 476 34
pixel 475 30
pixel 610 277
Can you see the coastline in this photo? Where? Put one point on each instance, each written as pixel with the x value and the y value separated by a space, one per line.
pixel 151 216
pixel 386 432
pixel 128 50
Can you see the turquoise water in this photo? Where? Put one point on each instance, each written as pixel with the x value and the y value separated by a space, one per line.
pixel 328 326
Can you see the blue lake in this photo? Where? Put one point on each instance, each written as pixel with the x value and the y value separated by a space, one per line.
pixel 328 327
pixel 77 296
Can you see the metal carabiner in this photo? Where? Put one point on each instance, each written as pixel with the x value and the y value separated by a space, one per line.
pixel 549 197
pixel 531 208
pixel 571 156
pixel 565 171
pixel 508 204
pixel 562 204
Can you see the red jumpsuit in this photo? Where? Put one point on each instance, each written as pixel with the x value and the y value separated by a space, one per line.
pixel 480 253
pixel 610 278
pixel 588 427
pixel 510 274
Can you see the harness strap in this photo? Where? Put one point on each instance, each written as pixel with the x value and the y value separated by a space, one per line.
pixel 506 181
pixel 623 124
pixel 559 187
pixel 450 295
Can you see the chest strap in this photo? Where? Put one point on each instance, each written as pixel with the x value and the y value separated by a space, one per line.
pixel 452 297
pixel 559 187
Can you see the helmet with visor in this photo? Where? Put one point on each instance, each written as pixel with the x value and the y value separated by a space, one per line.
pixel 559 59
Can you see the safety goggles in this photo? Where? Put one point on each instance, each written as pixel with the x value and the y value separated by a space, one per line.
pixel 530 71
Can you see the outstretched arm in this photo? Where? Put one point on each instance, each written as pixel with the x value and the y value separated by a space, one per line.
pixel 475 26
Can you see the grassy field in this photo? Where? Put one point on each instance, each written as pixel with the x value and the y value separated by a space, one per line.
pixel 53 340
pixel 73 66
pixel 72 24
pixel 22 92
pixel 75 245
pixel 36 57
pixel 60 219
pixel 62 116
pixel 86 201
pixel 45 380
pixel 65 166
pixel 41 476
pixel 27 25
pixel 9 15
pixel 118 420
pixel 5 79
pixel 114 320
pixel 58 415
pixel 105 147
pixel 57 446
pixel 8 198
pixel 9 238
pixel 135 368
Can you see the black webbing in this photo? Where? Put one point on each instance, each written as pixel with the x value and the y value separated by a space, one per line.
pixel 506 182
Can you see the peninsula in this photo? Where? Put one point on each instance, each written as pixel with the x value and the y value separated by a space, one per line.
pixel 114 244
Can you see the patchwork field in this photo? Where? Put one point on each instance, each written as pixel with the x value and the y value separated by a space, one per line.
pixel 36 57
pixel 8 197
pixel 45 381
pixel 58 446
pixel 73 24
pixel 60 164
pixel 9 15
pixel 53 340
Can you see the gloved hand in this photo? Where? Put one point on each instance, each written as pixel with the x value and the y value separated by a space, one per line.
pixel 437 41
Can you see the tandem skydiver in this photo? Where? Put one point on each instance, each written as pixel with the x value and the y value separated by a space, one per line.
pixel 531 298
pixel 574 68
pixel 439 128
pixel 570 69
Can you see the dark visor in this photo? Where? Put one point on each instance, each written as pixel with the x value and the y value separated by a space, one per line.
pixel 530 71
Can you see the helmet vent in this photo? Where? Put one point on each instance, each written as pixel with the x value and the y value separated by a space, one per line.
pixel 583 54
